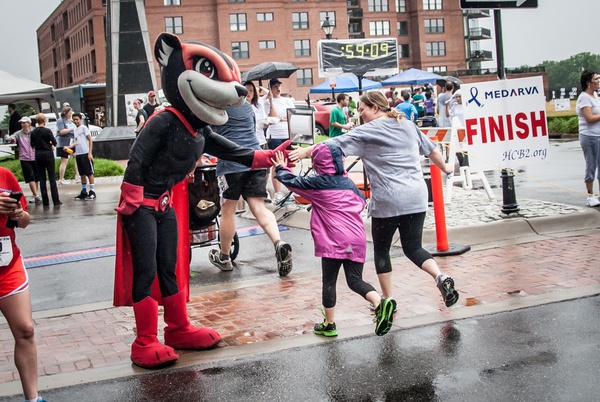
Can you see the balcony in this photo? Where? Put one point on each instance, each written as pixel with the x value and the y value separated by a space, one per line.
pixel 354 14
pixel 481 55
pixel 477 13
pixel 479 33
pixel 356 35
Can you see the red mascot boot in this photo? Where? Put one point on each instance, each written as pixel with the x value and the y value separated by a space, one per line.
pixel 180 334
pixel 146 350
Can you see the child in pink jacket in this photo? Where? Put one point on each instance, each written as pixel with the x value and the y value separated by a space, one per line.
pixel 338 232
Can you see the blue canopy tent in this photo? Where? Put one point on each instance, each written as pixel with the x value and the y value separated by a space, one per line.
pixel 344 83
pixel 412 76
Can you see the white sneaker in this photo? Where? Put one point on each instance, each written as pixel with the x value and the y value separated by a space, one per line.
pixel 593 201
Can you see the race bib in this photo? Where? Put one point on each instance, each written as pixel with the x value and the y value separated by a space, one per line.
pixel 6 251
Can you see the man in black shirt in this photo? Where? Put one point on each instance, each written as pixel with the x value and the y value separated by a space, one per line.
pixel 151 105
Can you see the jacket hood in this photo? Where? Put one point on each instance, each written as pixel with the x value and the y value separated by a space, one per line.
pixel 327 158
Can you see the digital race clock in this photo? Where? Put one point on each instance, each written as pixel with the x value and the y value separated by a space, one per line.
pixel 375 56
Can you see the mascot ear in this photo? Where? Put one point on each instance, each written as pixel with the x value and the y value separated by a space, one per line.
pixel 165 44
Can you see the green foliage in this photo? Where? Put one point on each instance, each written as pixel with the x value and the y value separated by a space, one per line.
pixel 567 73
pixel 563 124
pixel 102 168
pixel 22 108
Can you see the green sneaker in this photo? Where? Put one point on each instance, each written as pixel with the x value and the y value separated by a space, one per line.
pixel 327 329
pixel 384 316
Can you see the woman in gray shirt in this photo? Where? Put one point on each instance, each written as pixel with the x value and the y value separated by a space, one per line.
pixel 390 147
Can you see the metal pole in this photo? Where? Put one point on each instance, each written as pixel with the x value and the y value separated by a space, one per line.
pixel 509 197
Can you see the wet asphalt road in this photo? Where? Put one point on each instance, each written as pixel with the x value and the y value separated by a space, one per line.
pixel 545 353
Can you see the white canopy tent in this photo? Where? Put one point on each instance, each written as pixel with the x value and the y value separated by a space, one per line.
pixel 15 89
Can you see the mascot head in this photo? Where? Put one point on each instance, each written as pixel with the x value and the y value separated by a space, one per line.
pixel 198 80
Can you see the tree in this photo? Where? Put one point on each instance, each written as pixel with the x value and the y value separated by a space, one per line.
pixel 22 108
pixel 566 73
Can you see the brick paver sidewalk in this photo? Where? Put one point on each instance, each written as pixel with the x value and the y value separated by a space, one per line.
pixel 259 311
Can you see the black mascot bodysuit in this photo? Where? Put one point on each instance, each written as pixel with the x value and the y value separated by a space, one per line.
pixel 152 261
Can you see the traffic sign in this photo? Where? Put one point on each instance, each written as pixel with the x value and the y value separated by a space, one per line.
pixel 468 4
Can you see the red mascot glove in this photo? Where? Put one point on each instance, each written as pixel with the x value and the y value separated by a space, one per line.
pixel 262 158
pixel 131 198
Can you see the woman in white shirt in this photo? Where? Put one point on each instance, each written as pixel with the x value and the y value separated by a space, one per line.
pixel 258 106
pixel 588 113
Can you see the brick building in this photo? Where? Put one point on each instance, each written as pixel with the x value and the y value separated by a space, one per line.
pixel 434 35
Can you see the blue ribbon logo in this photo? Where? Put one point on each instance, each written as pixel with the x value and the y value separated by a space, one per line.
pixel 474 93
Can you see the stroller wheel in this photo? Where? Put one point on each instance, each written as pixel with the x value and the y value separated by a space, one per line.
pixel 235 246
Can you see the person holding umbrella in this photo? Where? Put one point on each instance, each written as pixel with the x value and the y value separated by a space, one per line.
pixel 277 133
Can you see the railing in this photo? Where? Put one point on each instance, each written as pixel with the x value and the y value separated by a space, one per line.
pixel 486 71
pixel 477 13
pixel 358 13
pixel 480 33
pixel 481 55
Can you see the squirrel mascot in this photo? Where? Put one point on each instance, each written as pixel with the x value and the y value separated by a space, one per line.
pixel 152 260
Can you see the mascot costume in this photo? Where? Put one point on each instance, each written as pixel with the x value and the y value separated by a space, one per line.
pixel 152 261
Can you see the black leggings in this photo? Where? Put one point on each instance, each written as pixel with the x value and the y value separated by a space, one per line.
pixel 353 271
pixel 153 239
pixel 411 236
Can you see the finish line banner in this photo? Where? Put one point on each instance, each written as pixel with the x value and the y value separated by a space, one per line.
pixel 505 123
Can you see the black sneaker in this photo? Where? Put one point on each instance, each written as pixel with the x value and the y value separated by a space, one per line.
pixel 214 256
pixel 283 253
pixel 322 328
pixel 91 195
pixel 384 316
pixel 82 196
pixel 446 287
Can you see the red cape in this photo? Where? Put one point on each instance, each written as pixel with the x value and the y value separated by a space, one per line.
pixel 123 264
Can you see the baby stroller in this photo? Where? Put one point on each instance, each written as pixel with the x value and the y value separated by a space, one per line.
pixel 204 204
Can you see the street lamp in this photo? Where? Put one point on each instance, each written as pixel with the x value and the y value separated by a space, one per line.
pixel 327 27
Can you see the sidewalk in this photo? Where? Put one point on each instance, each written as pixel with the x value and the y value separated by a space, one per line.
pixel 546 254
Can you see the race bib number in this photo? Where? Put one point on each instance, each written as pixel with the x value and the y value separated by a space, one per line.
pixel 6 251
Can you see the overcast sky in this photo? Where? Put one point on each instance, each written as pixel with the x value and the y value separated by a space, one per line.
pixel 556 30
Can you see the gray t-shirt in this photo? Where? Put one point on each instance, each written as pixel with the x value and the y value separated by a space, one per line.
pixel 64 140
pixel 585 128
pixel 390 152
pixel 241 129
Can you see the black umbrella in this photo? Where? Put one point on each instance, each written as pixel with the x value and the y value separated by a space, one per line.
pixel 268 70
pixel 442 81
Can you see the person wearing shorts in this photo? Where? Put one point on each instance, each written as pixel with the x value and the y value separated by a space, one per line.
pixel 237 180
pixel 15 301
pixel 83 157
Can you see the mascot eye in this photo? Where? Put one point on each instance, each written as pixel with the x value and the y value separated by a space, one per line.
pixel 205 67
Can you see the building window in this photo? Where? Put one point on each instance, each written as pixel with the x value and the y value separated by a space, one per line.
pixel 379 28
pixel 435 25
pixel 304 77
pixel 437 69
pixel 300 20
pixel 432 4
pixel 174 25
pixel 266 44
pixel 377 6
pixel 435 48
pixel 400 6
pixel 172 2
pixel 402 28
pixel 403 51
pixel 239 50
pixel 330 14
pixel 237 1
pixel 237 22
pixel 261 17
pixel 302 47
